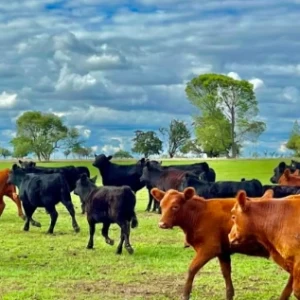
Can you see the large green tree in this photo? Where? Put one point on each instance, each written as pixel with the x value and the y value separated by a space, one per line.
pixel 146 143
pixel 177 134
pixel 42 134
pixel 228 102
pixel 294 140
pixel 122 154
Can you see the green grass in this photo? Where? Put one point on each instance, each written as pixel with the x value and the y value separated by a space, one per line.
pixel 35 266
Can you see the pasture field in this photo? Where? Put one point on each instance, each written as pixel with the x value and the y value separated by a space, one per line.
pixel 37 266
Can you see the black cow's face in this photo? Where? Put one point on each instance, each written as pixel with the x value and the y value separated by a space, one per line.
pixel 101 160
pixel 27 164
pixel 145 174
pixel 84 186
pixel 16 175
pixel 203 176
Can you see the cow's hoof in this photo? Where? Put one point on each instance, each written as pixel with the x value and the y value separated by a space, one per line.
pixel 89 246
pixel 76 229
pixel 36 224
pixel 26 228
pixel 129 250
pixel 119 251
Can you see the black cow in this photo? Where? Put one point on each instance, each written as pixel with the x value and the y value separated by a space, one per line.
pixel 278 171
pixel 117 175
pixel 42 190
pixel 201 169
pixel 162 178
pixel 222 189
pixel 71 173
pixel 295 164
pixel 107 205
pixel 282 190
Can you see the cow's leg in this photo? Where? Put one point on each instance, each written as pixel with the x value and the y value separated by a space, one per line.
pixel 14 197
pixel 201 258
pixel 150 199
pixel 70 207
pixel 126 236
pixel 288 289
pixel 296 279
pixel 2 206
pixel 225 263
pixel 82 208
pixel 92 225
pixel 53 215
pixel 105 229
pixel 122 238
pixel 29 210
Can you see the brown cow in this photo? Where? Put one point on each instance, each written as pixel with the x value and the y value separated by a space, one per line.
pixel 288 178
pixel 274 224
pixel 9 190
pixel 206 224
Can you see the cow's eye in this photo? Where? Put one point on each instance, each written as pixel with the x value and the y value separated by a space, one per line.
pixel 175 207
pixel 233 217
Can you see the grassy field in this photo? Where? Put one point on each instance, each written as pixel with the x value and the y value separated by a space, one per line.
pixel 35 266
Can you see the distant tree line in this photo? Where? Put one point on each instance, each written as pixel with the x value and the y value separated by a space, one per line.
pixel 227 117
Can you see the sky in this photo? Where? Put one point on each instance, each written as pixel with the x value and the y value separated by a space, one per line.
pixel 112 67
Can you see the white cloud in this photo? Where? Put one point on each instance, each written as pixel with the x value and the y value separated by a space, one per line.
pixel 291 94
pixel 109 149
pixel 234 75
pixel 257 83
pixel 7 100
pixel 94 148
pixel 70 81
pixel 282 148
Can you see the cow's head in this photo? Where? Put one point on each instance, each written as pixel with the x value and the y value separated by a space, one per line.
pixel 15 175
pixel 287 176
pixel 172 205
pixel 278 171
pixel 27 164
pixel 295 164
pixel 241 229
pixel 84 186
pixel 101 160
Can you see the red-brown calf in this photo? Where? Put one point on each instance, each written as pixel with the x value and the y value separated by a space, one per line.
pixel 206 224
pixel 289 179
pixel 9 190
pixel 276 225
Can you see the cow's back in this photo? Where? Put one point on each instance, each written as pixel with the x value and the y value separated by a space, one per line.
pixel 3 180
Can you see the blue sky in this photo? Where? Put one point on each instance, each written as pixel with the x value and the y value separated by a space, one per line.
pixel 112 67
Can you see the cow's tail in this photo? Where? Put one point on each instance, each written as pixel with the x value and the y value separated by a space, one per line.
pixel 134 221
pixel 131 200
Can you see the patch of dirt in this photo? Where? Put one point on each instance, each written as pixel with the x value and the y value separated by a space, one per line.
pixel 169 287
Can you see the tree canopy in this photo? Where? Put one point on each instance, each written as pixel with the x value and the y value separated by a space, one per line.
pixel 294 140
pixel 177 134
pixel 228 111
pixel 122 154
pixel 42 134
pixel 146 143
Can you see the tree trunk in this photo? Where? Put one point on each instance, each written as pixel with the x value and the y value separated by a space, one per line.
pixel 171 154
pixel 233 147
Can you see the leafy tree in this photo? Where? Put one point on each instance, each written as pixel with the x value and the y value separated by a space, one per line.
pixel 5 152
pixel 192 146
pixel 234 99
pixel 82 151
pixel 177 134
pixel 146 143
pixel 41 134
pixel 122 154
pixel 294 140
pixel 67 152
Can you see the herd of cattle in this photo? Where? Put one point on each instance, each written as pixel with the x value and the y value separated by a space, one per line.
pixel 252 220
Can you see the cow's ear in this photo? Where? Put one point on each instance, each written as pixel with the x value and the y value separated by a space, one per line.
pixel 142 160
pixel 157 194
pixel 296 173
pixel 32 164
pixel 287 173
pixel 148 163
pixel 94 179
pixel 20 161
pixel 269 194
pixel 109 157
pixel 282 166
pixel 95 154
pixel 189 193
pixel 205 167
pixel 242 199
pixel 14 167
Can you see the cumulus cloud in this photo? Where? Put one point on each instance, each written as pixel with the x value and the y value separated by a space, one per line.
pixel 114 69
